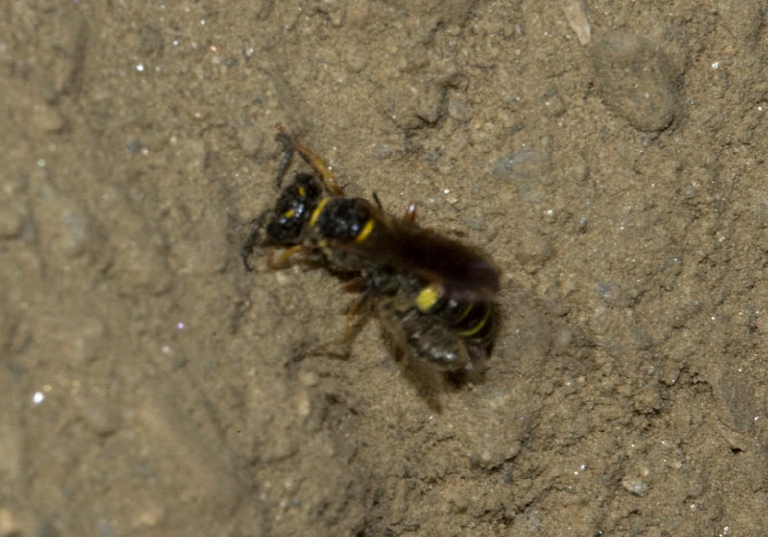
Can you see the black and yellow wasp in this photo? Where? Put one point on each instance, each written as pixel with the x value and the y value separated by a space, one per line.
pixel 435 295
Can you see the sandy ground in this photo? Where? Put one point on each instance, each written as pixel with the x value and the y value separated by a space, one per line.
pixel 610 156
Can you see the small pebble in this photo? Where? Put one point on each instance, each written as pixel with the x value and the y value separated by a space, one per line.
pixel 635 486
pixel 11 222
pixel 457 108
pixel 576 14
pixel 47 118
pixel 636 81
pixel 528 168
pixel 101 417
pixel 66 229
pixel 533 252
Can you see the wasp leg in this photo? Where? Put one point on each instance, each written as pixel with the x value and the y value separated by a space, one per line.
pixel 362 304
pixel 358 315
pixel 313 159
pixel 355 322
pixel 282 260
pixel 410 214
pixel 252 241
pixel 289 148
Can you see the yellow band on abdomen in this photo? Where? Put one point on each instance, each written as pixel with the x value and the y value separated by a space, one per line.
pixel 428 297
pixel 479 326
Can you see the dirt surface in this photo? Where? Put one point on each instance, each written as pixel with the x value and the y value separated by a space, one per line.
pixel 610 156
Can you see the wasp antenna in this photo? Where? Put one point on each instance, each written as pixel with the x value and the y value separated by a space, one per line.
pixel 252 241
pixel 377 200
pixel 313 159
pixel 289 148
pixel 410 214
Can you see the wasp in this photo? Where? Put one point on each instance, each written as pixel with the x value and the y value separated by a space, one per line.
pixel 435 295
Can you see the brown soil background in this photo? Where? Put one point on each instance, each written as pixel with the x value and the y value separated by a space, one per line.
pixel 150 386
